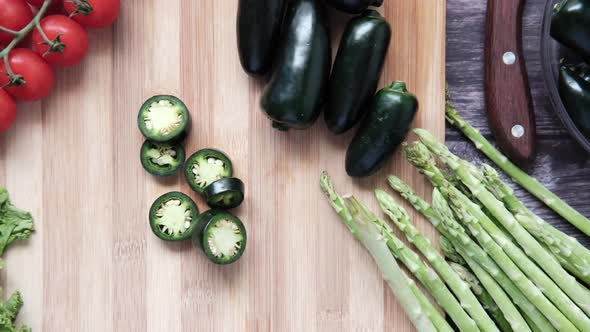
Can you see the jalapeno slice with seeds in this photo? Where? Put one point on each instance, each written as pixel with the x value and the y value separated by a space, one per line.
pixel 164 118
pixel 172 216
pixel 201 222
pixel 226 193
pixel 205 167
pixel 161 159
pixel 224 238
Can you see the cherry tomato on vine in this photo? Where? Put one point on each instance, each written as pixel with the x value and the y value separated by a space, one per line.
pixel 14 15
pixel 38 77
pixel 54 5
pixel 7 111
pixel 93 13
pixel 70 41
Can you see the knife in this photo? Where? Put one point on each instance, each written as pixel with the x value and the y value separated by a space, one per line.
pixel 508 96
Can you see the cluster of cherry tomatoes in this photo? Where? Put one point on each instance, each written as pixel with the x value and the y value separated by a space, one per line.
pixel 59 39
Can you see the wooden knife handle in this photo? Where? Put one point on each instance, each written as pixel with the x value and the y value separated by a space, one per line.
pixel 508 96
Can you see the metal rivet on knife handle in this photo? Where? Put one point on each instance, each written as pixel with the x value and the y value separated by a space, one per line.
pixel 518 131
pixel 509 58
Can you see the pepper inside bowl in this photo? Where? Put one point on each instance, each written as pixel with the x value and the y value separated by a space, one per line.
pixel 553 55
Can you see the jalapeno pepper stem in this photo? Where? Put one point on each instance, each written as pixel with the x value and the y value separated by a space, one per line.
pixel 18 36
pixel 399 86
pixel 558 6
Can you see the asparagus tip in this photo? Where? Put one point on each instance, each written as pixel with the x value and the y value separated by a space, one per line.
pixel 440 203
pixel 381 195
pixel 450 110
pixel 385 201
pixel 326 183
pixel 394 181
pixel 418 154
pixel 446 245
pixel 473 170
pixel 489 171
pixel 422 132
pixel 400 186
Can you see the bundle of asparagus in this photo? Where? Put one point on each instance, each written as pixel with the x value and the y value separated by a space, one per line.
pixel 503 268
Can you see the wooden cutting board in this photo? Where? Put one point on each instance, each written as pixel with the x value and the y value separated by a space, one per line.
pixel 94 265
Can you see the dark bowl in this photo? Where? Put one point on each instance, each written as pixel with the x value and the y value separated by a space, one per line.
pixel 551 55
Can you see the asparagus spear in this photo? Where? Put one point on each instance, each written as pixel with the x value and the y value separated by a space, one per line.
pixel 471 215
pixel 452 230
pixel 573 255
pixel 484 267
pixel 369 235
pixel 490 284
pixel 500 249
pixel 491 293
pixel 401 219
pixel 438 320
pixel 485 297
pixel 533 248
pixel 456 182
pixel 528 182
pixel 428 277
pixel 532 324
pixel 571 268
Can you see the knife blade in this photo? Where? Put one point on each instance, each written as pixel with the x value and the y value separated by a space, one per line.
pixel 508 97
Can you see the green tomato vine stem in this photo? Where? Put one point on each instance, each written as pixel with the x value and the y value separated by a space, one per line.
pixel 83 7
pixel 20 35
pixel 44 35
pixel 3 29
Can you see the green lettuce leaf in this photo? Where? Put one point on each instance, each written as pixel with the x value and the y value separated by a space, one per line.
pixel 15 224
pixel 8 311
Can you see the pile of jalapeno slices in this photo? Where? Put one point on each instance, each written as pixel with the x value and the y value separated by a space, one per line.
pixel 164 121
pixel 271 33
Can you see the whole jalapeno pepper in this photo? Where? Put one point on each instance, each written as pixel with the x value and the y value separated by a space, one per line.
pixel 385 127
pixel 356 70
pixel 574 90
pixel 258 30
pixel 294 97
pixel 570 25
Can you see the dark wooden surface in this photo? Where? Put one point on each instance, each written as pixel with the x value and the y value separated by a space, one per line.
pixel 561 164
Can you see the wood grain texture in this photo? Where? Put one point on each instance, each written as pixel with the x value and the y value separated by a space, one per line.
pixel 508 96
pixel 561 165
pixel 94 265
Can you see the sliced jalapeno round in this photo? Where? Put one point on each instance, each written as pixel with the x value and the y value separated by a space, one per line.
pixel 173 216
pixel 161 159
pixel 205 167
pixel 201 222
pixel 163 119
pixel 226 193
pixel 224 238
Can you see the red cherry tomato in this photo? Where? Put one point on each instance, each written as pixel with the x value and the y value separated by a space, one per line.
pixel 7 111
pixel 14 15
pixel 37 74
pixel 72 41
pixel 38 3
pixel 93 13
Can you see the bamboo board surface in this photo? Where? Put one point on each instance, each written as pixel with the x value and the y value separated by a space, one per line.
pixel 94 265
